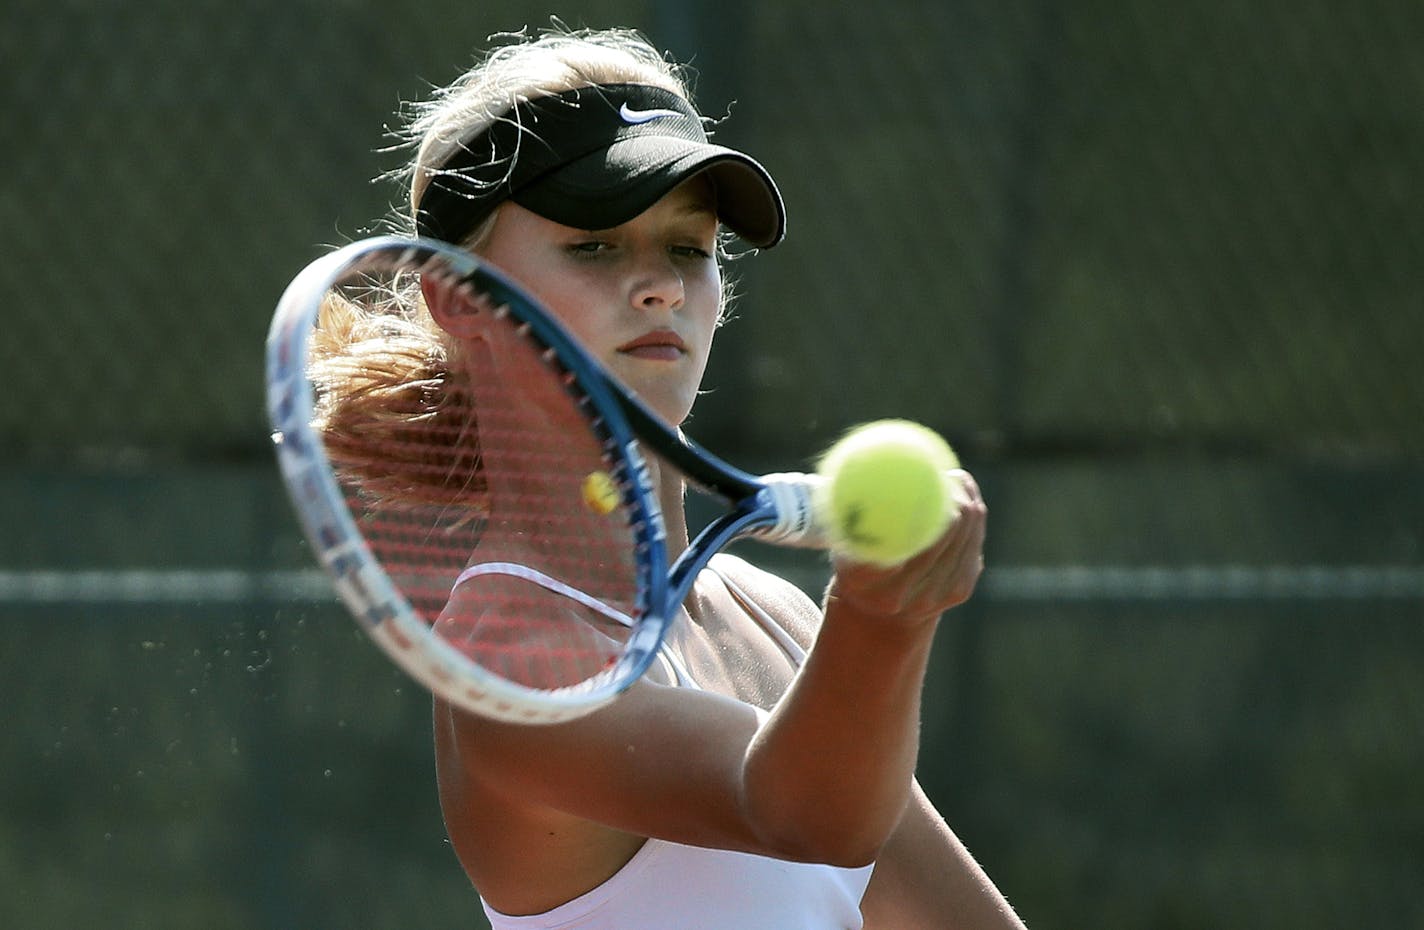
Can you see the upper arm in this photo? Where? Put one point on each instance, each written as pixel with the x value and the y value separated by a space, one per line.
pixel 659 761
pixel 692 766
pixel 925 879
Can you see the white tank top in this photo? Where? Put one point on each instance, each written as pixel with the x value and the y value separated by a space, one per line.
pixel 716 889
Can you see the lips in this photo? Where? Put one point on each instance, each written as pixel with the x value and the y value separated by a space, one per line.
pixel 662 345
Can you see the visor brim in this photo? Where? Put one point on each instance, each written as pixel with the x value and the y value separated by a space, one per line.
pixel 611 186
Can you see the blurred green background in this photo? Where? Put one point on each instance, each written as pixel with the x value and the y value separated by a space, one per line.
pixel 1154 268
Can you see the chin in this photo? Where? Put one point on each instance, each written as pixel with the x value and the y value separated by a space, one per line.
pixel 673 411
pixel 671 405
pixel 676 415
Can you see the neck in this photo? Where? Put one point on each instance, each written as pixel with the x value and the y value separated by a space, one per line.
pixel 671 492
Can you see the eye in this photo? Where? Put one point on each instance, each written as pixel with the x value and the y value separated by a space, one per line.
pixel 692 251
pixel 588 249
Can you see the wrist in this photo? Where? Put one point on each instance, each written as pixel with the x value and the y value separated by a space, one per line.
pixel 879 615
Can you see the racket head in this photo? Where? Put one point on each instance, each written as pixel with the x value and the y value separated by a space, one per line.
pixel 494 531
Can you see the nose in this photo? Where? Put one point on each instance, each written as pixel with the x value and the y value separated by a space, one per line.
pixel 658 285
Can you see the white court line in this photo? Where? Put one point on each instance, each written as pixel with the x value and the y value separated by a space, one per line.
pixel 162 586
pixel 1205 583
pixel 1006 583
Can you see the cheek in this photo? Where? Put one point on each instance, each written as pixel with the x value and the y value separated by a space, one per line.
pixel 568 302
pixel 586 324
pixel 706 290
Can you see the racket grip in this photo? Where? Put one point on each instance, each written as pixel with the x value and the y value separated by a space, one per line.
pixel 791 495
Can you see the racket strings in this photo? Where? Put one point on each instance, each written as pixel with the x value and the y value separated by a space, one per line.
pixel 453 456
pixel 532 635
pixel 390 405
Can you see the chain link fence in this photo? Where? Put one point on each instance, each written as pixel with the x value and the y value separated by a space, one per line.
pixel 1123 225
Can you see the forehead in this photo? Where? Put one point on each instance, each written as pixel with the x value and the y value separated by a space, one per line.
pixel 697 194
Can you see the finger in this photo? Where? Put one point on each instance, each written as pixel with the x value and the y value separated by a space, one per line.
pixel 965 488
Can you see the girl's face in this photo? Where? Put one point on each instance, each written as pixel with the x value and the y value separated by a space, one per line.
pixel 643 297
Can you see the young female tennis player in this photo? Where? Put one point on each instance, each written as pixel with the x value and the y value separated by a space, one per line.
pixel 762 776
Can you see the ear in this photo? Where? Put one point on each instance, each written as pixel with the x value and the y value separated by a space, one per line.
pixel 452 308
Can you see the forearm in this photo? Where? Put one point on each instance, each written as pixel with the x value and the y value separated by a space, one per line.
pixel 830 772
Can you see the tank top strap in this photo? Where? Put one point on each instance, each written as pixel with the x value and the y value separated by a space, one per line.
pixel 548 582
pixel 765 620
pixel 671 664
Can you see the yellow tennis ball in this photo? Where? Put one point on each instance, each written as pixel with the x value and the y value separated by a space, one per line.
pixel 888 493
pixel 600 493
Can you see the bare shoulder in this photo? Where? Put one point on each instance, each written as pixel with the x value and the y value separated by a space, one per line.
pixel 783 601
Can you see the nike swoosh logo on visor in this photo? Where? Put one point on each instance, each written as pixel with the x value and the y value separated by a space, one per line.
pixel 643 116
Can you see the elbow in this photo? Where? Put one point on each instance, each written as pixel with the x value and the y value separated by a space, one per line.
pixel 817 817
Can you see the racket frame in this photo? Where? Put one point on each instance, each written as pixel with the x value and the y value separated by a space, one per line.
pixel 777 508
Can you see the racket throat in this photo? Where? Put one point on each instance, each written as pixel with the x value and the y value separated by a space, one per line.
pixel 792 497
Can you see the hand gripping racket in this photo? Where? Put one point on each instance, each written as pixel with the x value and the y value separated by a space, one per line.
pixel 490 520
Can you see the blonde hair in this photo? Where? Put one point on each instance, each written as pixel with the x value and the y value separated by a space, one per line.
pixel 383 368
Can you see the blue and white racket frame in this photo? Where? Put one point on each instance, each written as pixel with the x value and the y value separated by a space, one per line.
pixel 777 508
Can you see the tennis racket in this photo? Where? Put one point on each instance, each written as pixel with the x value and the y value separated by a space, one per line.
pixel 495 531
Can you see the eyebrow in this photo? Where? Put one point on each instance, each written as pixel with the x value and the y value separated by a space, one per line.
pixel 701 204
